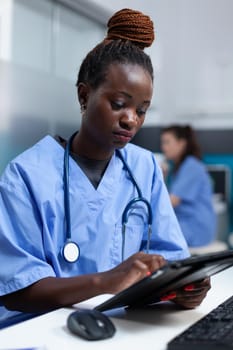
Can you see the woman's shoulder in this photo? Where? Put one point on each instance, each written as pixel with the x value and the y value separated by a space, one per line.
pixel 194 164
pixel 142 161
pixel 37 160
pixel 194 161
pixel 135 149
pixel 137 153
pixel 42 150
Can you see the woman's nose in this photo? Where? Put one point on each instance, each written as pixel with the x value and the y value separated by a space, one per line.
pixel 129 119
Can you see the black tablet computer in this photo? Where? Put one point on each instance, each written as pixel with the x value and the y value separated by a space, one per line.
pixel 170 277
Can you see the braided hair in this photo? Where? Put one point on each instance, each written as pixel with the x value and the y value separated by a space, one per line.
pixel 129 32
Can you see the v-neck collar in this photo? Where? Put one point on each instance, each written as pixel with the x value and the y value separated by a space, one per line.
pixel 80 182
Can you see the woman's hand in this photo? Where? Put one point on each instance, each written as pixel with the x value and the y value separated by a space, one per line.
pixel 130 271
pixel 141 265
pixel 191 295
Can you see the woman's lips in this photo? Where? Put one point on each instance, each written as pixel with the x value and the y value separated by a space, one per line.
pixel 123 136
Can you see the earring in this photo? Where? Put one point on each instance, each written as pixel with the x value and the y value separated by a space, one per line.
pixel 83 109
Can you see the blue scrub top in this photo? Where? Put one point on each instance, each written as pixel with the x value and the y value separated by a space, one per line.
pixel 195 213
pixel 32 222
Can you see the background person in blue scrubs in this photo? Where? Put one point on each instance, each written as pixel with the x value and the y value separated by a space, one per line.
pixel 189 185
pixel 115 85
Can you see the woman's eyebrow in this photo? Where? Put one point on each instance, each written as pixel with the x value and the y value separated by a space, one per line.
pixel 129 96
pixel 125 94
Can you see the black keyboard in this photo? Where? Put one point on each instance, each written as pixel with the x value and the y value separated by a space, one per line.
pixel 212 332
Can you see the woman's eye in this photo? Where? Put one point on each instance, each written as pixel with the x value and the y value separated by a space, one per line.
pixel 116 105
pixel 141 112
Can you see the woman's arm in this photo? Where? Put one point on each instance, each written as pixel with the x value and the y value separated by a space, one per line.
pixel 53 292
pixel 175 200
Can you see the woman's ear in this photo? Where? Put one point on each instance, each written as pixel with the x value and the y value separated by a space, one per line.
pixel 83 93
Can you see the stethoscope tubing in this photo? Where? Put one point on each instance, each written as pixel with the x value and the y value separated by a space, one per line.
pixel 125 214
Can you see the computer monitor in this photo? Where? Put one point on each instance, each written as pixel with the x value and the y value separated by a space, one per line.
pixel 221 180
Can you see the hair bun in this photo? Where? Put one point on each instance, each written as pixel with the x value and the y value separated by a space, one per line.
pixel 131 25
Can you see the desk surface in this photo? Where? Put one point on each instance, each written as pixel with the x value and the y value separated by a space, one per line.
pixel 155 325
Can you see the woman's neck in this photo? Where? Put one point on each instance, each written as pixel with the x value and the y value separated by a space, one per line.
pixel 84 147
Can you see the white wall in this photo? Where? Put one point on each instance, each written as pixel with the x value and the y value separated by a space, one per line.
pixel 193 59
pixel 5 28
pixel 42 44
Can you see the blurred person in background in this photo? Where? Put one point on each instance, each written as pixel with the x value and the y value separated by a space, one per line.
pixel 189 185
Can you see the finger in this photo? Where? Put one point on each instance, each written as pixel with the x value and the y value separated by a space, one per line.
pixel 189 287
pixel 156 262
pixel 193 290
pixel 169 296
pixel 192 296
pixel 139 269
pixel 202 285
pixel 153 261
pixel 204 282
pixel 190 299
pixel 192 293
pixel 188 303
pixel 148 264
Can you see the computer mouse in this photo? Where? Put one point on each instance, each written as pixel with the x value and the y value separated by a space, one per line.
pixel 90 324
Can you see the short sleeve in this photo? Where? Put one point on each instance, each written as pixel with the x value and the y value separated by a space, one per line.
pixel 20 235
pixel 186 183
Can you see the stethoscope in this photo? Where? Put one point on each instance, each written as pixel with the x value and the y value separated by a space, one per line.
pixel 70 250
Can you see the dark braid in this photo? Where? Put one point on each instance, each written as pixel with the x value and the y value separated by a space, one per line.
pixel 131 25
pixel 129 32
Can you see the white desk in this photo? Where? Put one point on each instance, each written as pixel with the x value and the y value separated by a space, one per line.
pixel 154 326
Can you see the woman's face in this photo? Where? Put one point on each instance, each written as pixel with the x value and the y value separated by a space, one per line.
pixel 116 110
pixel 172 147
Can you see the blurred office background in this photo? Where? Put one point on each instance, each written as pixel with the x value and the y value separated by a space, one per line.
pixel 42 43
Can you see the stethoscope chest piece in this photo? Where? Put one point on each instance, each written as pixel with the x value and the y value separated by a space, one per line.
pixel 70 251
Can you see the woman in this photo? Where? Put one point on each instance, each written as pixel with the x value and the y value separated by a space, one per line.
pixel 189 185
pixel 114 85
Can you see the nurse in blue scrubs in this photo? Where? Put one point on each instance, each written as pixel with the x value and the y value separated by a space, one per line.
pixel 189 185
pixel 38 273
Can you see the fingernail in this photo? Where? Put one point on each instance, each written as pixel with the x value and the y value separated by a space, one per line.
pixel 148 273
pixel 168 297
pixel 189 287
